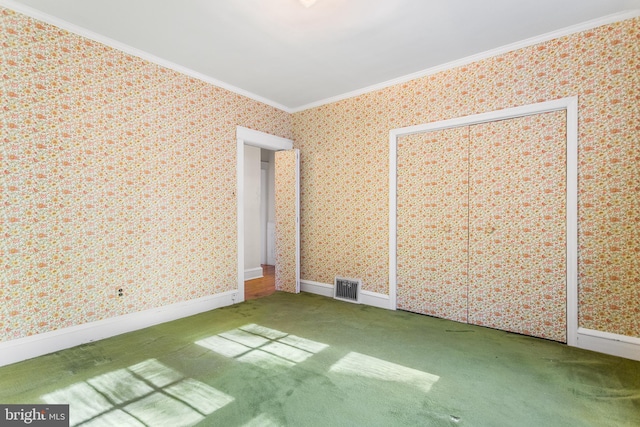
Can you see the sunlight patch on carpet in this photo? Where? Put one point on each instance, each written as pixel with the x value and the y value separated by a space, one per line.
pixel 262 420
pixel 272 334
pixel 244 338
pixel 223 346
pixel 155 372
pixel 366 366
pixel 114 418
pixel 148 393
pixel 120 386
pixel 262 346
pixel 304 344
pixel 265 360
pixel 287 352
pixel 159 409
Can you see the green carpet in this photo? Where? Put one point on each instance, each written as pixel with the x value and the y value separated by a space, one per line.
pixel 306 360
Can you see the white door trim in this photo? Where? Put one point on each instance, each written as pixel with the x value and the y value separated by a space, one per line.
pixel 569 104
pixel 246 136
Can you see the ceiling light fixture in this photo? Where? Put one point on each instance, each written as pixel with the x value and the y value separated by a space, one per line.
pixel 307 3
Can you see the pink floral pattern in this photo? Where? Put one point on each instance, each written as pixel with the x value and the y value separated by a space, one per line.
pixel 115 173
pixel 345 161
pixel 286 229
pixel 517 226
pixel 433 223
pixel 481 224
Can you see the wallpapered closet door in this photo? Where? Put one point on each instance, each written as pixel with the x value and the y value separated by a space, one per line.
pixel 432 223
pixel 517 230
pixel 287 198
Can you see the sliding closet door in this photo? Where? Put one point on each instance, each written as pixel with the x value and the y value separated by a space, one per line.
pixel 287 199
pixel 517 230
pixel 432 223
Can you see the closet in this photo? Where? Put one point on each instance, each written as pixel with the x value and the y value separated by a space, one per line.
pixel 481 224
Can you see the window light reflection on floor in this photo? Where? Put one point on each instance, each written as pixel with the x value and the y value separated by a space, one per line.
pixel 370 367
pixel 262 420
pixel 148 393
pixel 262 346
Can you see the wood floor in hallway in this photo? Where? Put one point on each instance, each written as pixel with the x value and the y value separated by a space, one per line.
pixel 262 287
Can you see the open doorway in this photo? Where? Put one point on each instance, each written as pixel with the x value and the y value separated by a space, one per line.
pixel 263 286
pixel 287 206
pixel 259 222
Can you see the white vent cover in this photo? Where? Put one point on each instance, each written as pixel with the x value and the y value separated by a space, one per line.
pixel 346 289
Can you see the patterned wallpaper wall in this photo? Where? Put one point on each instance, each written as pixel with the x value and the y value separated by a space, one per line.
pixel 286 164
pixel 481 224
pixel 344 149
pixel 115 172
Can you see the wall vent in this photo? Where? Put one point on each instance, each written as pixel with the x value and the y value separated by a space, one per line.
pixel 346 289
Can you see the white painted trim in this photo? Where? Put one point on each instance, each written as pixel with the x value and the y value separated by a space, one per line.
pixel 588 25
pixel 572 221
pixel 240 213
pixel 37 345
pixel 373 299
pixel 60 23
pixel 255 139
pixel 608 343
pixel 253 273
pixel 393 219
pixel 569 104
pixel 297 208
pixel 83 32
pixel 317 288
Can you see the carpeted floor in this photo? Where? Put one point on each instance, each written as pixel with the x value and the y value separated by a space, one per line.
pixel 306 360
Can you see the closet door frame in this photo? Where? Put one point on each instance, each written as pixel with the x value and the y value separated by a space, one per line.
pixel 570 105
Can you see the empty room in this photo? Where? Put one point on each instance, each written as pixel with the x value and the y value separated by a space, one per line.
pixel 320 213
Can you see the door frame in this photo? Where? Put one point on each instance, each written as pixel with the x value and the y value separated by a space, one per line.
pixel 254 138
pixel 570 105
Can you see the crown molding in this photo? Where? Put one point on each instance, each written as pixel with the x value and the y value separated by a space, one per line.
pixel 81 31
pixel 588 25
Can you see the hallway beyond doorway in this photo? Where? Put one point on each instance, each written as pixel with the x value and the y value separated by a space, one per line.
pixel 263 286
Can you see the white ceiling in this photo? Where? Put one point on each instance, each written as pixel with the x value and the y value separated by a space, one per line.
pixel 293 57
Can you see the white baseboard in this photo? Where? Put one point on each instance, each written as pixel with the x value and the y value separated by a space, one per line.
pixel 601 342
pixel 316 288
pixel 366 297
pixel 37 345
pixel 374 299
pixel 253 273
pixel 608 343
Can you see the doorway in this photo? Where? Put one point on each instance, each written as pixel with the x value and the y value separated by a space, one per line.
pixel 259 222
pixel 262 286
pixel 251 138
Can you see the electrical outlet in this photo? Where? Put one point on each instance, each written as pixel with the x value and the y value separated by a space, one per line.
pixel 120 292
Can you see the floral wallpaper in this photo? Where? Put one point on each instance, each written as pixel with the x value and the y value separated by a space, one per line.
pixel 433 223
pixel 481 224
pixel 517 225
pixel 286 229
pixel 116 173
pixel 344 148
